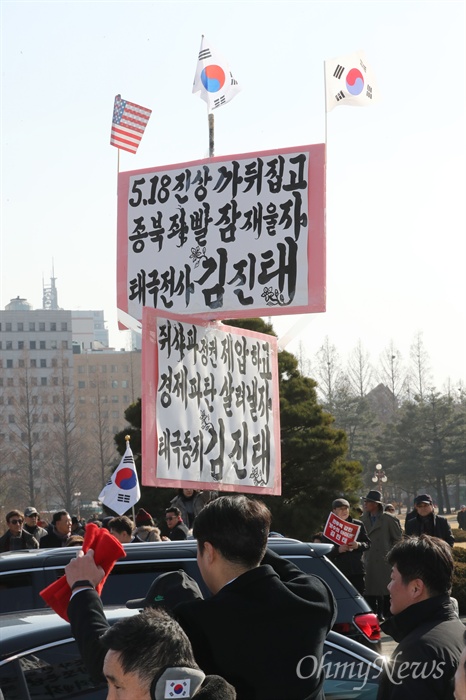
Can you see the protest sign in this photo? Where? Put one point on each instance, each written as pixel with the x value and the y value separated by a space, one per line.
pixel 226 237
pixel 210 406
pixel 340 531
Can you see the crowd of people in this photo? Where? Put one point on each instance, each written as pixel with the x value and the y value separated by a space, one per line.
pixel 26 530
pixel 266 618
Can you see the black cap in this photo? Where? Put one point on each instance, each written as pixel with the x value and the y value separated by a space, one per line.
pixel 167 590
pixel 423 498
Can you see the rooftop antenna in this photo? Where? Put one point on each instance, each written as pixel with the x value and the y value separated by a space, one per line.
pixel 50 294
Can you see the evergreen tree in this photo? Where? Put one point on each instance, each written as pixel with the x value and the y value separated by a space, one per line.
pixel 314 465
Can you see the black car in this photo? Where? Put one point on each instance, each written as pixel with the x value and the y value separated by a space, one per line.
pixel 24 574
pixel 39 660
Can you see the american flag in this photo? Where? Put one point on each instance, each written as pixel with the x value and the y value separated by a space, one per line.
pixel 128 124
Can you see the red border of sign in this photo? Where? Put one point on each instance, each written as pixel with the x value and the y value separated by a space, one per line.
pixel 316 236
pixel 149 396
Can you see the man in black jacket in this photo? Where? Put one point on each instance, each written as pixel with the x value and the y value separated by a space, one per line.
pixel 424 622
pixel 348 557
pixel 265 625
pixel 58 531
pixel 427 523
pixel 145 657
pixel 177 530
pixel 263 630
pixel 16 537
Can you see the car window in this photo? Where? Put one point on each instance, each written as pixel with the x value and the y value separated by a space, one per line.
pixel 319 566
pixel 133 579
pixel 55 672
pixel 348 676
pixel 16 592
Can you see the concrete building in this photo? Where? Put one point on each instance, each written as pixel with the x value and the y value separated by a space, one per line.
pixel 51 380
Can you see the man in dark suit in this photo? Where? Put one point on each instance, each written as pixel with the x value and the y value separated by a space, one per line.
pixel 263 629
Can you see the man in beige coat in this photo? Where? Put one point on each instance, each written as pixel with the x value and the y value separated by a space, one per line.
pixel 383 531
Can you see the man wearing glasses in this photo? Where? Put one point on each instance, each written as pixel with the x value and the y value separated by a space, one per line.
pixel 31 523
pixel 177 530
pixel 15 537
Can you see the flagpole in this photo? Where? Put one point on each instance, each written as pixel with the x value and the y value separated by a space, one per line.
pixel 211 136
pixel 325 91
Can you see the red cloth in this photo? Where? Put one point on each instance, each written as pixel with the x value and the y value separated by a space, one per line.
pixel 107 550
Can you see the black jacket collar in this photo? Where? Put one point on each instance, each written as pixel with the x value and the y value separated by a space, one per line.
pixel 438 608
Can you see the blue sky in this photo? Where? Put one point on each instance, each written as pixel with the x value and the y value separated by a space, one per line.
pixel 396 244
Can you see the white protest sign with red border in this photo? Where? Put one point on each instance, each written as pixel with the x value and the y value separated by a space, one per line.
pixel 210 401
pixel 340 531
pixel 226 237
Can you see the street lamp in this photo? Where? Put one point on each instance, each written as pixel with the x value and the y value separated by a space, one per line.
pixel 379 477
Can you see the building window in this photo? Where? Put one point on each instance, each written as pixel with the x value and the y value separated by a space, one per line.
pixel 81 369
pixel 53 345
pixel 114 399
pixel 11 418
pixel 114 384
pixel 9 364
pixel 10 401
pixel 8 327
pixel 42 345
pixel 20 363
pixel 53 326
pixel 55 382
pixel 42 326
pixel 56 418
pixel 115 414
pixel 21 326
pixel 9 381
pixel 81 385
pixel 92 369
pixel 43 381
pixel 33 363
pixel 9 345
pixel 32 326
pixel 124 384
pixel 56 399
pixel 64 326
pixel 82 399
pixel 20 344
pixel 114 369
pixel 103 369
pixel 64 344
pixel 34 381
pixel 126 369
pixel 43 363
pixel 32 345
pixel 1 381
pixel 54 362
